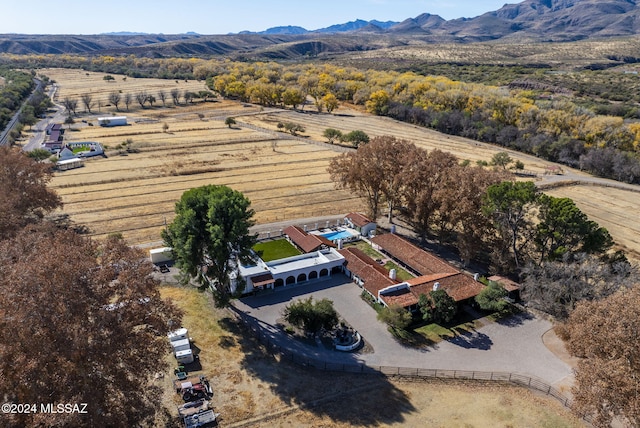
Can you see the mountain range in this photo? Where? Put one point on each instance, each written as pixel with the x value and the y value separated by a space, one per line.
pixel 527 21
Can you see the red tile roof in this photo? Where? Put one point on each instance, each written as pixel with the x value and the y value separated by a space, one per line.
pixel 404 298
pixel 305 241
pixel 375 277
pixel 412 256
pixel 459 286
pixel 358 219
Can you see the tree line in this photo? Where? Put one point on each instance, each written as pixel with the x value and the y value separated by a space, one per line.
pixel 532 119
pixel 16 88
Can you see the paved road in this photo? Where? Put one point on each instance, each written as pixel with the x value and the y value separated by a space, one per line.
pixel 511 346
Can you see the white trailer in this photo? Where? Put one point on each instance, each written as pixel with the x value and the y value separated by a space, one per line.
pixel 180 345
pixel 179 334
pixel 112 121
pixel 161 255
pixel 185 357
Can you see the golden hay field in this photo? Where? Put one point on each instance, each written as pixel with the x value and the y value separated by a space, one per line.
pixel 135 194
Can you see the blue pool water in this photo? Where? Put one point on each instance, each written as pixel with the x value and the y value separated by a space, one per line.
pixel 333 236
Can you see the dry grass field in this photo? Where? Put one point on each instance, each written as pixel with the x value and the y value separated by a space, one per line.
pixel 253 390
pixel 284 178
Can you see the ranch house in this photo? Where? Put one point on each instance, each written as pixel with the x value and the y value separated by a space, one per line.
pixel 360 223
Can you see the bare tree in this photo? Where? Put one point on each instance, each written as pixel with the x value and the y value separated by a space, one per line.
pixel 127 100
pixel 141 98
pixel 70 105
pixel 87 100
pixel 114 98
pixel 175 95
pixel 162 96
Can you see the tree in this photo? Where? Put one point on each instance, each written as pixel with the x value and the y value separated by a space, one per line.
pixel 292 97
pixel 229 122
pixel 395 316
pixel 165 127
pixel 128 99
pixel 108 78
pixel 311 316
pixel 378 103
pixel 501 159
pixel 87 100
pixel 604 334
pixel 491 298
pixel 27 116
pixel 508 204
pixel 175 96
pixel 423 173
pixel 39 154
pixel 141 98
pixel 330 102
pixel 293 128
pixel 332 134
pixel 437 307
pixel 209 235
pixel 162 96
pixel 356 138
pixel 563 228
pixel 92 331
pixel 556 287
pixel 70 105
pixel 188 97
pixel 114 98
pixel 24 196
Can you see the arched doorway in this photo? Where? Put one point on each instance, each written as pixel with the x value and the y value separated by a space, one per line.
pixel 279 282
pixel 290 280
pixel 302 277
pixel 324 272
pixel 313 274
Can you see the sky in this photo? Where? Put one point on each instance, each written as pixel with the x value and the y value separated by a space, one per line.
pixel 215 16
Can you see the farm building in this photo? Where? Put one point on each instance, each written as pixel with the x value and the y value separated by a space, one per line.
pixel 360 223
pixel 112 121
pixel 88 148
pixel 70 163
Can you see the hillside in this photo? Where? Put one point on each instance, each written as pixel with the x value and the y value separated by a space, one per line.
pixel 526 22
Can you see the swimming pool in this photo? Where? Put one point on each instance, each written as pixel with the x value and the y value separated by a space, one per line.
pixel 334 236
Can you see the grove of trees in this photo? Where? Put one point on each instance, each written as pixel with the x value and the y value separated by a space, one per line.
pixel 311 316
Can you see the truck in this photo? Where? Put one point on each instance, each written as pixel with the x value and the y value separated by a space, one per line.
pixel 207 417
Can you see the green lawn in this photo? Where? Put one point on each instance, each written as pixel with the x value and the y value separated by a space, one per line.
pixel 401 274
pixel 274 250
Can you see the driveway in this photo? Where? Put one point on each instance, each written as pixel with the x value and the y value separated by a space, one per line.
pixel 514 345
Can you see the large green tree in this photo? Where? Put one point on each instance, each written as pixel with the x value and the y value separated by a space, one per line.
pixel 311 316
pixel 437 307
pixel 508 205
pixel 564 228
pixel 210 234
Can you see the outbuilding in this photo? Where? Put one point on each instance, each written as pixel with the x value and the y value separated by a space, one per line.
pixel 112 121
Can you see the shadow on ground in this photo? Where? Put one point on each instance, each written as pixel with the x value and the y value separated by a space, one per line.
pixel 515 320
pixel 471 340
pixel 335 393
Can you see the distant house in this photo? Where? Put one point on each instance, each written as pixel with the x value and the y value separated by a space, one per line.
pixel 112 121
pixel 306 242
pixel 66 153
pixel 360 223
pixel 54 127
